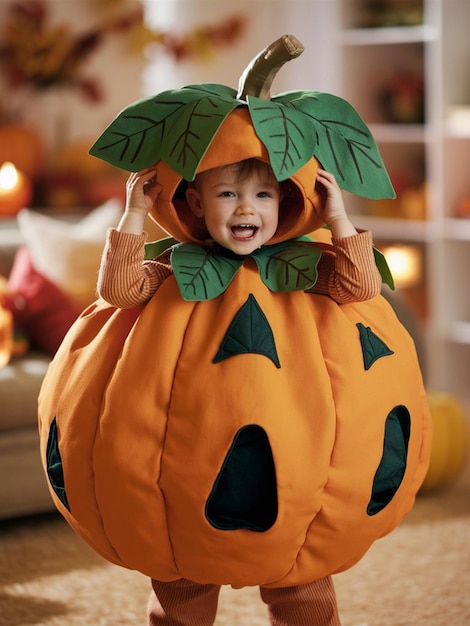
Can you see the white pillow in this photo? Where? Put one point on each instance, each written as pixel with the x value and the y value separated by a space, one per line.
pixel 68 253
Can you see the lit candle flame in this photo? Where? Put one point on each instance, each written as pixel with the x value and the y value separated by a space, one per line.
pixel 8 176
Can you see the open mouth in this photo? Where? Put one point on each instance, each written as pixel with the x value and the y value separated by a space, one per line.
pixel 244 232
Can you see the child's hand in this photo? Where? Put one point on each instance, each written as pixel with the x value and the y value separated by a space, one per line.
pixel 334 212
pixel 142 190
pixel 333 205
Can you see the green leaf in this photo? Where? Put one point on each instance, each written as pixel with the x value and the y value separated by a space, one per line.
pixel 343 143
pixel 155 248
pixel 382 266
pixel 134 138
pixel 214 89
pixel 288 266
pixel 139 135
pixel 286 133
pixel 201 274
pixel 196 126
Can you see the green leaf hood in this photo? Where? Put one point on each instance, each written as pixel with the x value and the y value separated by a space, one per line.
pixel 198 127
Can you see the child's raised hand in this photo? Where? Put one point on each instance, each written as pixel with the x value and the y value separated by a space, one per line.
pixel 333 205
pixel 142 190
pixel 334 212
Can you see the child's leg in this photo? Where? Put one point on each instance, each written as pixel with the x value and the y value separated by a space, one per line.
pixel 182 603
pixel 313 604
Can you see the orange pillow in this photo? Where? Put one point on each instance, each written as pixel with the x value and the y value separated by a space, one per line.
pixel 39 307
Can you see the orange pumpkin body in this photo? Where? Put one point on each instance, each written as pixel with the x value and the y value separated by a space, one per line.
pixel 149 419
pixel 256 438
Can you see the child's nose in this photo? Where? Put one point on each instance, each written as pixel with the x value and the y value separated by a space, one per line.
pixel 245 207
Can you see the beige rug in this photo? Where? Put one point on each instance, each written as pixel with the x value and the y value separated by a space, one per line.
pixel 417 576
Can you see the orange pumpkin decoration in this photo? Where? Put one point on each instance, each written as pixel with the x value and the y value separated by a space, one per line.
pixel 449 449
pixel 248 433
pixel 23 146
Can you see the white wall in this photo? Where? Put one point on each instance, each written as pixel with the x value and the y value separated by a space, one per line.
pixel 64 116
pixel 309 20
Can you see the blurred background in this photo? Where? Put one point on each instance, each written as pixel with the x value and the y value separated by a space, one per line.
pixel 67 68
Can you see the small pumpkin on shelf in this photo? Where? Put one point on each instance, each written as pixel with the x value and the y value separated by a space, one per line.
pixel 449 448
pixel 22 145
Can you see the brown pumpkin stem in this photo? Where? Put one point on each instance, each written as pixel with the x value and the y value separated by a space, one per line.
pixel 258 76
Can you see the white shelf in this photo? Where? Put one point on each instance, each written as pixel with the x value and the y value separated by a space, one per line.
pixel 398 35
pixel 459 332
pixel 400 133
pixel 440 149
pixel 458 229
pixel 394 229
pixel 456 132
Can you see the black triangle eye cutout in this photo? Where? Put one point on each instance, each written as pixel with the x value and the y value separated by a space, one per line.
pixel 373 348
pixel 244 494
pixel 249 333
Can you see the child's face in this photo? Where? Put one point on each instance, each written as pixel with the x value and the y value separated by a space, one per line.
pixel 240 211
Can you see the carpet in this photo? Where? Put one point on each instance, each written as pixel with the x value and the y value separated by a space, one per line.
pixel 419 575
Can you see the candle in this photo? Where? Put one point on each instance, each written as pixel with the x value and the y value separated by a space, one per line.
pixel 15 190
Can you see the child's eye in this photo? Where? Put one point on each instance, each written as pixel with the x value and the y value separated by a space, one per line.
pixel 226 194
pixel 264 194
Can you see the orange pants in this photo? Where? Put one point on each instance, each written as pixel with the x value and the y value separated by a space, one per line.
pixel 184 603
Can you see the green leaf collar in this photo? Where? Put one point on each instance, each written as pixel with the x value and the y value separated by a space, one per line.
pixel 204 273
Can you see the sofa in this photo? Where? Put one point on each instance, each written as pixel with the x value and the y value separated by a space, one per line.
pixel 48 267
pixel 23 488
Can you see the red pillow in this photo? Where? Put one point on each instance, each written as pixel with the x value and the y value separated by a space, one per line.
pixel 40 308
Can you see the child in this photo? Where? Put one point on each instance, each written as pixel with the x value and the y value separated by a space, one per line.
pixel 240 206
pixel 245 412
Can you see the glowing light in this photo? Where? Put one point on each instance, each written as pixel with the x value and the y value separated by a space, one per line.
pixel 15 190
pixel 8 176
pixel 405 264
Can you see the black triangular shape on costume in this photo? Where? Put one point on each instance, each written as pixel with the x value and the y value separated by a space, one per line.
pixel 373 347
pixel 248 333
pixel 244 494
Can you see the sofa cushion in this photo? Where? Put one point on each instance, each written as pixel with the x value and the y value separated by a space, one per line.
pixel 68 254
pixel 7 256
pixel 39 307
pixel 20 382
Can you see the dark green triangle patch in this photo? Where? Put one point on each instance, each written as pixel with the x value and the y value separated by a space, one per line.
pixel 373 348
pixel 249 333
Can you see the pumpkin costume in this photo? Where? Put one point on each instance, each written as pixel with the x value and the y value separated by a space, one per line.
pixel 237 429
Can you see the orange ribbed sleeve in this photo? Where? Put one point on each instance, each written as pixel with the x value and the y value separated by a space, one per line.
pixel 347 271
pixel 125 280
